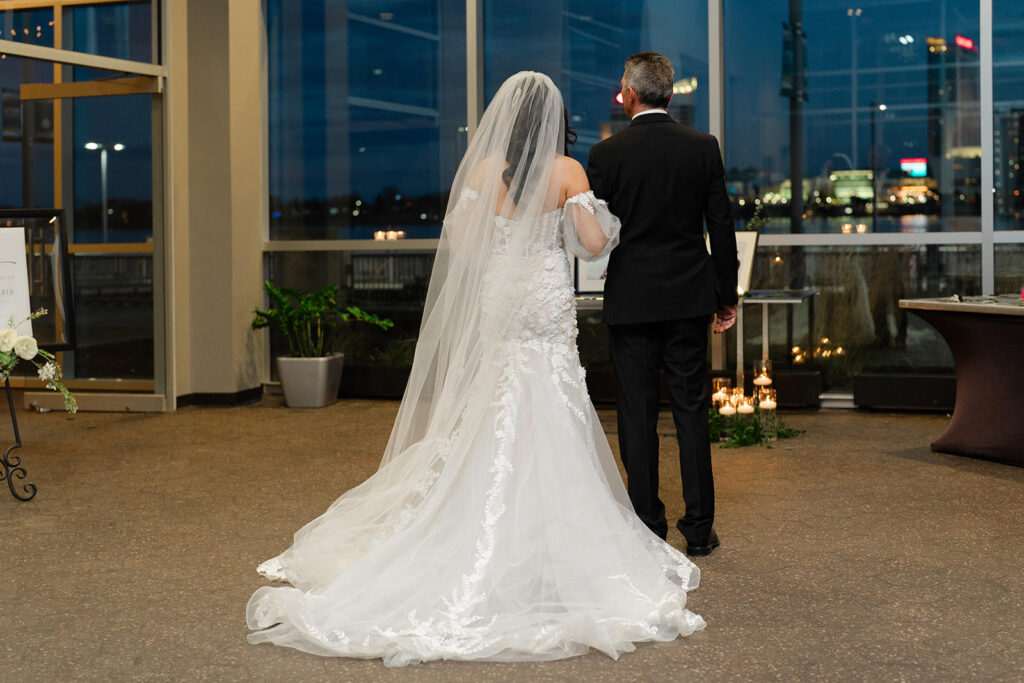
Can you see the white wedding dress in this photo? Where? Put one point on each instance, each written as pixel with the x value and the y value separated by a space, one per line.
pixel 503 531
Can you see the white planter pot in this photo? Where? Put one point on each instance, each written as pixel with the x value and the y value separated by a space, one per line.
pixel 310 382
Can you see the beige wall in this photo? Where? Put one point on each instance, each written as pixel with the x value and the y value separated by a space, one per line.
pixel 216 179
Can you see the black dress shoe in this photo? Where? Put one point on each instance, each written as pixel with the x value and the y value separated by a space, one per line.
pixel 705 548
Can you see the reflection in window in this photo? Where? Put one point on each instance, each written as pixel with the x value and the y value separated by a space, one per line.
pixel 121 30
pixel 33 26
pixel 1008 95
pixel 113 316
pixel 891 133
pixel 582 46
pixel 26 137
pixel 854 323
pixel 367 116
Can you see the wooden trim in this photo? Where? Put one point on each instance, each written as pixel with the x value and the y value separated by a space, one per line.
pixel 105 402
pixel 77 385
pixel 54 4
pixel 49 54
pixel 112 248
pixel 136 85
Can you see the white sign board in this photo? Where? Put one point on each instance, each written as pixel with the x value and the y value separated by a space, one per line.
pixel 746 252
pixel 14 300
pixel 592 275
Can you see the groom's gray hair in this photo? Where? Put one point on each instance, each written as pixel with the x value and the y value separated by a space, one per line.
pixel 651 75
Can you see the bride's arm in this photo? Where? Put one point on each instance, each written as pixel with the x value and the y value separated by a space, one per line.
pixel 591 231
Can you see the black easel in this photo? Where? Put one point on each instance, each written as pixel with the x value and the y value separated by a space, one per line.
pixel 12 463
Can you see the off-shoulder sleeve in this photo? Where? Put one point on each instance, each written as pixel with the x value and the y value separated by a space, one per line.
pixel 591 230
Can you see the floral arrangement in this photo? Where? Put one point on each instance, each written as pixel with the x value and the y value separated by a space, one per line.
pixel 15 348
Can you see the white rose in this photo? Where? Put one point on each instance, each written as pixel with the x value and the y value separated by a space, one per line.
pixel 7 339
pixel 26 347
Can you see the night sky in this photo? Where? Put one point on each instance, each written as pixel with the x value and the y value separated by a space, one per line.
pixel 358 106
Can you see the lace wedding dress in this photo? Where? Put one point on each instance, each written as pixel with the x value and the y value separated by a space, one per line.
pixel 497 527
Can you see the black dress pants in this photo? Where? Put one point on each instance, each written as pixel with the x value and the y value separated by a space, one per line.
pixel 640 353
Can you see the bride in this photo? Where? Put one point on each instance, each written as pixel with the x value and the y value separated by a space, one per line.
pixel 497 527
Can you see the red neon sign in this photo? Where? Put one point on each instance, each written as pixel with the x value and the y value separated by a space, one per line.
pixel 964 42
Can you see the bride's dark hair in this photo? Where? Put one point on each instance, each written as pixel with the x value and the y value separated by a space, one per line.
pixel 521 145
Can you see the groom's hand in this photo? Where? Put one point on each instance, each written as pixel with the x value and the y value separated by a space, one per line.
pixel 725 319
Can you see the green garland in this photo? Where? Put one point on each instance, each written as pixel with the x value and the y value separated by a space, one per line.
pixel 737 431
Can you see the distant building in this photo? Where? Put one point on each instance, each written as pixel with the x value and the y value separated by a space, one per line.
pixel 1008 153
pixel 954 125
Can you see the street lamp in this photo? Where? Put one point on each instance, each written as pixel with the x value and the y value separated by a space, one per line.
pixel 92 147
pixel 874 168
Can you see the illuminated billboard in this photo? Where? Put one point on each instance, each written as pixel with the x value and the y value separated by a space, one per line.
pixel 915 168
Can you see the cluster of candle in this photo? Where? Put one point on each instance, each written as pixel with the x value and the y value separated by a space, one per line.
pixel 382 235
pixel 732 401
pixel 848 228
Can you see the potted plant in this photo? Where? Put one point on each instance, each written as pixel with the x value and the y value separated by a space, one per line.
pixel 311 324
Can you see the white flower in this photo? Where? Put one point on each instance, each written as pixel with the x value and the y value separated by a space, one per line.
pixel 26 347
pixel 7 339
pixel 47 372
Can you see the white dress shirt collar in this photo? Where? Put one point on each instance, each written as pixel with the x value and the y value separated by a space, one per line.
pixel 649 111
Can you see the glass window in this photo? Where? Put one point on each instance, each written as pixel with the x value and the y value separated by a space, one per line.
pixel 390 284
pixel 112 156
pixel 113 316
pixel 123 30
pixel 1009 262
pixel 582 46
pixel 113 292
pixel 890 135
pixel 26 136
pixel 1008 95
pixel 854 324
pixel 33 26
pixel 367 108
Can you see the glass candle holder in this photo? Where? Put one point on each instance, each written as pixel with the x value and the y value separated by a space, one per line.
pixel 766 398
pixel 720 390
pixel 746 405
pixel 762 373
pixel 729 407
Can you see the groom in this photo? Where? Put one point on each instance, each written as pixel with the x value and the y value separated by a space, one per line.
pixel 664 181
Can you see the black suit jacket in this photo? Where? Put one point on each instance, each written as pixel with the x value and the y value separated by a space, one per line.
pixel 664 180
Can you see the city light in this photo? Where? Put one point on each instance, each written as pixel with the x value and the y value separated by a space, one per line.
pixel 964 42
pixel 92 145
pixel 684 86
pixel 882 107
pixel 118 147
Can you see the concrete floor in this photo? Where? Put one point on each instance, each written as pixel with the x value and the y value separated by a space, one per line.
pixel 850 553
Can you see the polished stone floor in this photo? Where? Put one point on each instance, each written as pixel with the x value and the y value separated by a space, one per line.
pixel 849 553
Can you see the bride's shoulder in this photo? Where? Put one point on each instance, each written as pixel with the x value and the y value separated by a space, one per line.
pixel 573 178
pixel 571 171
pixel 568 165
